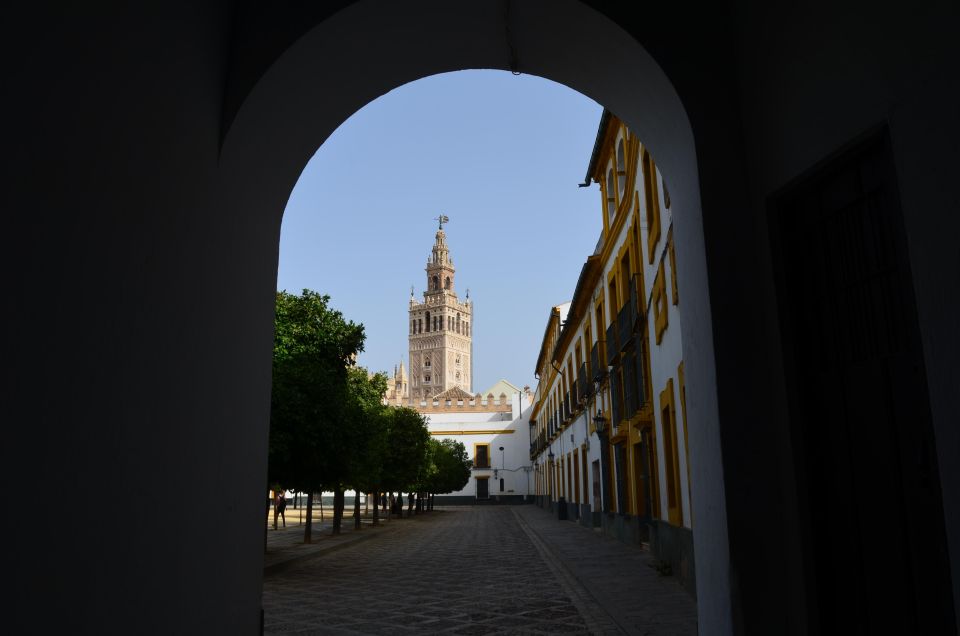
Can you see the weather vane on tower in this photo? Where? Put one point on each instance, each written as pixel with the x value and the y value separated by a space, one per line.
pixel 443 218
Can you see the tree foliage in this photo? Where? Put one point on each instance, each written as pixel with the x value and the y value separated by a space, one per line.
pixel 450 466
pixel 405 458
pixel 313 347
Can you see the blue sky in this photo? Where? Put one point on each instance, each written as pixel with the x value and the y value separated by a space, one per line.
pixel 501 155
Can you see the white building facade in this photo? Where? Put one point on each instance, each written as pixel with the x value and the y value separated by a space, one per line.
pixel 493 429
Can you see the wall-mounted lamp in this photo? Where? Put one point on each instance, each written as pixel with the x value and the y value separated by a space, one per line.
pixel 600 423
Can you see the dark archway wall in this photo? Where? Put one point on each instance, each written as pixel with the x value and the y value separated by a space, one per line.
pixel 139 250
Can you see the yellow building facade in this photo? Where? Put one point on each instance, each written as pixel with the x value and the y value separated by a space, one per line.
pixel 609 427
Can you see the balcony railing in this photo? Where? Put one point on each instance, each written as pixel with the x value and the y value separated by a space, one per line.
pixel 630 403
pixel 596 368
pixel 613 347
pixel 582 384
pixel 625 321
pixel 641 371
pixel 616 397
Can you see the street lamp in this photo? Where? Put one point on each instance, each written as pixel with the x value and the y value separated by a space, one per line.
pixel 600 424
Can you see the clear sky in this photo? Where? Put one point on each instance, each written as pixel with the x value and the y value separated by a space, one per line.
pixel 501 155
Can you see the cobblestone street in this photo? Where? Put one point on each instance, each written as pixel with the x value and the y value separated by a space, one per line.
pixel 477 570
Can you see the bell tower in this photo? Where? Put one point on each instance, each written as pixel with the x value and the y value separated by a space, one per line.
pixel 441 329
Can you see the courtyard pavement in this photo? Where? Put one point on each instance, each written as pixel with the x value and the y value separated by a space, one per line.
pixel 469 570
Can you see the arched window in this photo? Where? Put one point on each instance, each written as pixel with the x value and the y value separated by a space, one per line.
pixel 426 362
pixel 611 197
pixel 428 321
pixel 435 283
pixel 621 169
pixel 458 325
pixel 419 325
pixel 446 283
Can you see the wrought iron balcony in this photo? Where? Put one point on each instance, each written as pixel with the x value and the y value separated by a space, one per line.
pixel 616 397
pixel 613 347
pixel 597 369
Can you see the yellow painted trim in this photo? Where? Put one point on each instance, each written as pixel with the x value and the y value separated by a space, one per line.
pixel 492 431
pixel 671 455
pixel 659 302
pixel 686 443
pixel 477 445
pixel 652 201
pixel 673 267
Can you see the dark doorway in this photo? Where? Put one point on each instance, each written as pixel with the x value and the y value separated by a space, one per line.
pixel 874 539
pixel 483 488
pixel 597 503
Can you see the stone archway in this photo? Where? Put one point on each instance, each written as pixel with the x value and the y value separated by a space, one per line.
pixel 309 90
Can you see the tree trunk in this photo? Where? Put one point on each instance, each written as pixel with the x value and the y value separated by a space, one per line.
pixel 356 509
pixel 376 508
pixel 410 498
pixel 337 509
pixel 308 528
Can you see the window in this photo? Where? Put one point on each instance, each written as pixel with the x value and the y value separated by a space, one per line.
pixel 652 200
pixel 458 359
pixel 446 283
pixel 686 443
pixel 670 455
pixel 673 268
pixel 426 363
pixel 435 283
pixel 659 301
pixel 426 379
pixel 428 321
pixel 481 455
pixel 621 169
pixel 501 484
pixel 611 200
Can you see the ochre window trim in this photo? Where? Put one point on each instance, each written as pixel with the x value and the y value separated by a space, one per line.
pixel 659 302
pixel 671 251
pixel 652 199
pixel 668 416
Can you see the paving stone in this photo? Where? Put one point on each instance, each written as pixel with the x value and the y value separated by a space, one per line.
pixel 483 570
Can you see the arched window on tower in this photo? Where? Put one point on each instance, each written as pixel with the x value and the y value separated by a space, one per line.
pixel 426 362
pixel 428 321
pixel 611 196
pixel 446 283
pixel 458 323
pixel 435 283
